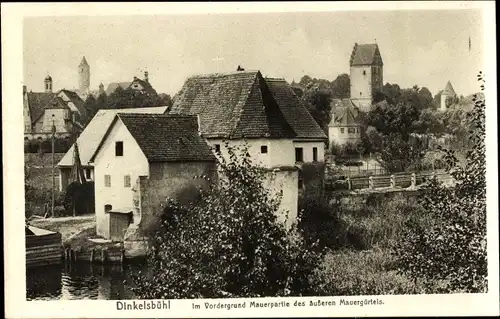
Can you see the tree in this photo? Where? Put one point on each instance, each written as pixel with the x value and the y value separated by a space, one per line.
pixel 430 121
pixel 341 87
pixel 102 101
pixel 399 155
pixel 91 106
pixel 228 243
pixel 319 105
pixel 452 252
pixel 389 119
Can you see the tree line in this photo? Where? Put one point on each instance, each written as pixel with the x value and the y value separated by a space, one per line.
pixel 125 98
pixel 399 125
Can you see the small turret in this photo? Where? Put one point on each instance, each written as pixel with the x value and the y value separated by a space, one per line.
pixel 48 84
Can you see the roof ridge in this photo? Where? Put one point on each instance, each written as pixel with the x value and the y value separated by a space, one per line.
pixel 221 74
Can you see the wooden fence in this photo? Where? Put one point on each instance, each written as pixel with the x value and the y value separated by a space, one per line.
pixel 388 182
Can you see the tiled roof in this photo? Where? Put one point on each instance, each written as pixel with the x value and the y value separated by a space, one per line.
pixel 57 103
pixel 89 139
pixel 294 110
pixel 37 103
pixel 168 137
pixel 77 101
pixel 448 90
pixel 345 113
pixel 234 106
pixel 366 54
pixel 145 84
pixel 113 86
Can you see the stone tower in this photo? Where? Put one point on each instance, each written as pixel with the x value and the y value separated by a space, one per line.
pixel 366 74
pixel 448 92
pixel 83 76
pixel 48 84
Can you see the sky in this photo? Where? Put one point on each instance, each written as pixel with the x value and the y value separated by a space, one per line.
pixel 424 48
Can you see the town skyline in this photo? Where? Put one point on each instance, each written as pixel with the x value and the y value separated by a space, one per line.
pixel 425 48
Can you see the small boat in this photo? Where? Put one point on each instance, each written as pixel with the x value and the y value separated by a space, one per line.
pixel 43 247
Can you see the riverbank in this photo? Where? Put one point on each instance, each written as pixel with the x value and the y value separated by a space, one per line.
pixel 69 227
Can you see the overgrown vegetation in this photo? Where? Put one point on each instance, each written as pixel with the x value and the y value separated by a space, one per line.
pixel 228 243
pixel 453 250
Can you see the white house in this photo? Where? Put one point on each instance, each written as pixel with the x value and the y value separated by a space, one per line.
pixel 344 126
pixel 89 140
pixel 65 109
pixel 265 114
pixel 141 160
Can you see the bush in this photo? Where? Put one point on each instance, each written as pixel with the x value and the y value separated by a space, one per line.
pixel 358 273
pixel 61 145
pixel 228 244
pixel 452 250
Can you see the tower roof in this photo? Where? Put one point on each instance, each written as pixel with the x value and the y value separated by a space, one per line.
pixel 448 89
pixel 84 62
pixel 48 78
pixel 366 54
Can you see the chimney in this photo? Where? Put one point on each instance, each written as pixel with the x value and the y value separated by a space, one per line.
pixel 146 76
pixel 25 89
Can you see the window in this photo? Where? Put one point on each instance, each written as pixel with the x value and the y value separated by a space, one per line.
pixel 351 130
pixel 126 181
pixel 88 174
pixel 342 130
pixel 360 93
pixel 263 149
pixel 107 180
pixel 315 154
pixel 119 148
pixel 217 148
pixel 364 72
pixel 299 154
pixel 107 208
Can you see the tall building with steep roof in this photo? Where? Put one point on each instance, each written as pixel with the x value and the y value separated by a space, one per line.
pixel 448 92
pixel 366 74
pixel 83 76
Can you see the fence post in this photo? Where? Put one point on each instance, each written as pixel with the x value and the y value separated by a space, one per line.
pixel 393 181
pixel 370 182
pixel 413 180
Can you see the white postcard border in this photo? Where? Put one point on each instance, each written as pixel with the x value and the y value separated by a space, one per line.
pixel 15 281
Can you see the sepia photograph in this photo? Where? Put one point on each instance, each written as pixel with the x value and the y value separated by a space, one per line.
pixel 232 157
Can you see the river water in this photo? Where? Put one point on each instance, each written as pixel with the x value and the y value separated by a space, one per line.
pixel 80 281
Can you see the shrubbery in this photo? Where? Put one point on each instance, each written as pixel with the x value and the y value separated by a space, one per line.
pixel 61 145
pixel 453 250
pixel 228 244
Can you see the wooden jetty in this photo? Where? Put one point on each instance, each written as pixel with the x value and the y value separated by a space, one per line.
pixel 43 247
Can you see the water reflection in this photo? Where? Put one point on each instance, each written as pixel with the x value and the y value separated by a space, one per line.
pixel 80 281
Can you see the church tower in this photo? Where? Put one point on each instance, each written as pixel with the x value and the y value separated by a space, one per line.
pixel 366 74
pixel 48 84
pixel 83 76
pixel 448 93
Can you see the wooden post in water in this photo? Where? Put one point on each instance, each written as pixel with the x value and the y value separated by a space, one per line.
pixel 102 256
pixel 92 255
